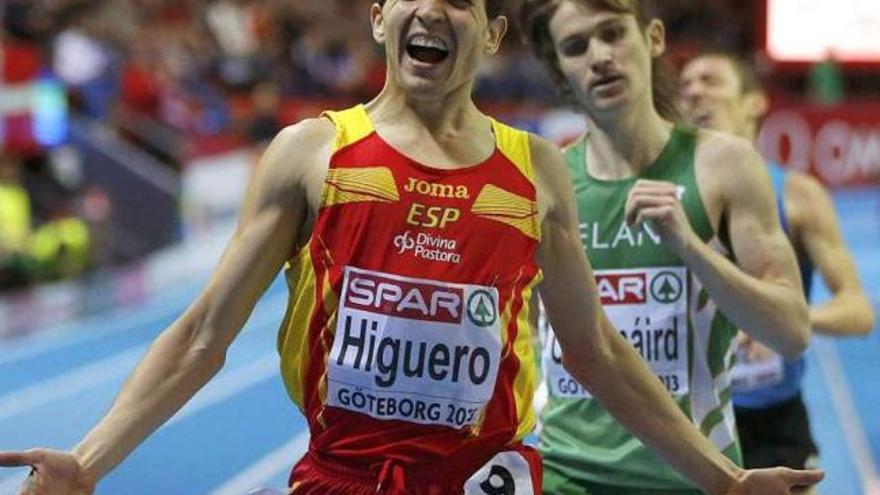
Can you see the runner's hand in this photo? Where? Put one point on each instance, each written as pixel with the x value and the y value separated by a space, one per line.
pixel 53 472
pixel 758 352
pixel 775 481
pixel 754 351
pixel 658 204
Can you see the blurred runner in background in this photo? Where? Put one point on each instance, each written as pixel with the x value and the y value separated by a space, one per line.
pixel 721 91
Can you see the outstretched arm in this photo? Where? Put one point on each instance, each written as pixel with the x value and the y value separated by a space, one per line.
pixel 817 232
pixel 597 356
pixel 193 349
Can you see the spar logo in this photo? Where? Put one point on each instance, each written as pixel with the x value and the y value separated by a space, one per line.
pixel 665 287
pixel 481 308
pixel 404 298
pixel 621 288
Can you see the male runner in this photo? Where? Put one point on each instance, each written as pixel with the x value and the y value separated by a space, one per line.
pixel 660 221
pixel 721 91
pixel 413 229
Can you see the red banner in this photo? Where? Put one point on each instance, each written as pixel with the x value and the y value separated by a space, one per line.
pixel 838 144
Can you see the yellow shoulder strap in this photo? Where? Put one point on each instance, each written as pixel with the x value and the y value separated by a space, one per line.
pixel 352 125
pixel 514 144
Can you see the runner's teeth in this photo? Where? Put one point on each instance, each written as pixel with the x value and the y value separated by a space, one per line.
pixel 429 42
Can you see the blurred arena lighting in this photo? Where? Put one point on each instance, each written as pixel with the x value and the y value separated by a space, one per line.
pixel 845 30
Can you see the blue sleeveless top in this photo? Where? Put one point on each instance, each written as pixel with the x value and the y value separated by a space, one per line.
pixel 793 370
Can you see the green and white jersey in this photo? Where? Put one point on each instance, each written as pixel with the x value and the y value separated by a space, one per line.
pixel 662 310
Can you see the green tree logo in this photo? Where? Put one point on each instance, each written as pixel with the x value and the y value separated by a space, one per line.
pixel 666 287
pixel 481 308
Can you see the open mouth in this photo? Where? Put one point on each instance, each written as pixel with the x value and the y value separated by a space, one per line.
pixel 427 49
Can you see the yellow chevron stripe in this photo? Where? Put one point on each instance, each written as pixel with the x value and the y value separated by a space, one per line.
pixel 352 125
pixel 327 332
pixel 352 185
pixel 514 144
pixel 496 201
pixel 527 379
pixel 292 341
pixel 499 205
pixel 331 302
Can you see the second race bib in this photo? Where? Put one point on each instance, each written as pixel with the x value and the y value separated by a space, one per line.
pixel 649 308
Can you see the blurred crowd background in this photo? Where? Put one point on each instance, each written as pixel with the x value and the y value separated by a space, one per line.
pixel 103 102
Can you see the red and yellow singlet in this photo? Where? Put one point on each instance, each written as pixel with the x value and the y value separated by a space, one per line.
pixel 407 336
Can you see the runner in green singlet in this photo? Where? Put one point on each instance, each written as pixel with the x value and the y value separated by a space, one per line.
pixel 684 250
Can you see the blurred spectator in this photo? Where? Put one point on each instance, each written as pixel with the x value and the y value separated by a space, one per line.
pixel 233 24
pixel 15 224
pixel 86 61
pixel 60 248
pixel 26 20
pixel 62 244
pixel 334 62
pixel 19 59
pixel 141 85
pixel 96 209
pixel 514 76
pixel 265 123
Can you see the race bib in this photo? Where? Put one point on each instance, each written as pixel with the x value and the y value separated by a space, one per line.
pixel 747 376
pixel 649 308
pixel 507 473
pixel 416 350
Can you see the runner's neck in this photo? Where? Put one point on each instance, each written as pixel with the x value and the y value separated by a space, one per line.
pixel 461 136
pixel 626 148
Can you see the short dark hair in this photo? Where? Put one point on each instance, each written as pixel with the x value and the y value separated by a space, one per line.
pixel 745 69
pixel 534 22
pixel 494 8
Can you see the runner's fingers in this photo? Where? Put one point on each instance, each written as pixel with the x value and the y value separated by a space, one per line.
pixel 639 203
pixel 657 195
pixel 651 199
pixel 754 353
pixel 804 478
pixel 647 184
pixel 653 213
pixel 759 352
pixel 18 459
pixel 654 191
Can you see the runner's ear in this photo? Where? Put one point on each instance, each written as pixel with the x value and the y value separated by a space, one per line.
pixel 377 20
pixel 495 34
pixel 656 35
pixel 756 104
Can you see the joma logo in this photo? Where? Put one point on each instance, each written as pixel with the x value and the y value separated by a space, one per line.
pixel 426 188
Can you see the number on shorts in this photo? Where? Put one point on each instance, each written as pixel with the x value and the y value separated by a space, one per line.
pixel 499 475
